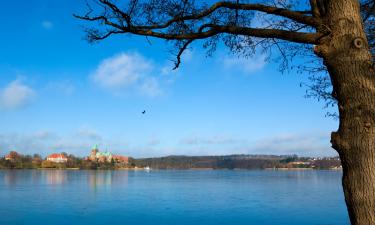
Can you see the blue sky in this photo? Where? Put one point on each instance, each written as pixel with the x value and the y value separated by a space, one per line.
pixel 60 93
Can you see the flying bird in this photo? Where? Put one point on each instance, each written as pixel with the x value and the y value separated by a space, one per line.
pixel 144 111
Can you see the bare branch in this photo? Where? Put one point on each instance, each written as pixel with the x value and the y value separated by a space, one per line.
pixel 293 15
pixel 212 28
pixel 182 49
pixel 298 37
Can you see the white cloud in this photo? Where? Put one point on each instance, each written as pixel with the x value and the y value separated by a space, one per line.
pixel 132 72
pixel 16 95
pixel 46 24
pixel 246 65
pixel 122 71
pixel 150 87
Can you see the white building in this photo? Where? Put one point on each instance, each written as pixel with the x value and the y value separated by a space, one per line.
pixel 57 158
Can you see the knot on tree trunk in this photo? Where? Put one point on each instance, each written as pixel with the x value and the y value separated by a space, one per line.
pixel 338 143
pixel 358 43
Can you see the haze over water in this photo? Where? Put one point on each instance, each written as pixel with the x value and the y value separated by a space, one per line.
pixel 186 197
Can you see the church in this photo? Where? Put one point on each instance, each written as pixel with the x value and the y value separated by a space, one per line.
pixel 98 156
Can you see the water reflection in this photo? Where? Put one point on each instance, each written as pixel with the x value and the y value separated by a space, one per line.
pixel 10 177
pixel 14 177
pixel 97 179
pixel 55 177
pixel 106 179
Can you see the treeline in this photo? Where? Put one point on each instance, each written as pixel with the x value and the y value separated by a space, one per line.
pixel 237 162
pixel 22 162
pixel 177 162
pixel 36 161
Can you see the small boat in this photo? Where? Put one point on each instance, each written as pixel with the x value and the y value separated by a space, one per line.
pixel 147 168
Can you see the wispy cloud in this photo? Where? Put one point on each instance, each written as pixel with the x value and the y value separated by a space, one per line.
pixel 69 146
pixel 214 140
pixel 16 95
pixel 46 24
pixel 128 71
pixel 45 142
pixel 79 142
pixel 310 144
pixel 132 72
pixel 36 142
pixel 150 87
pixel 85 132
pixel 122 71
pixel 44 135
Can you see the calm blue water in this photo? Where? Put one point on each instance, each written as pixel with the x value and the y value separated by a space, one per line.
pixel 171 197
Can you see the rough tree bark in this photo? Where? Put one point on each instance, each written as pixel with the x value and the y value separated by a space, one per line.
pixel 348 60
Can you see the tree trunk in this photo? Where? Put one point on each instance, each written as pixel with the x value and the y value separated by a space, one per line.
pixel 355 138
pixel 345 53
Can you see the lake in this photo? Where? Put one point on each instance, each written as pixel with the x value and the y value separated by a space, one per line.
pixel 186 197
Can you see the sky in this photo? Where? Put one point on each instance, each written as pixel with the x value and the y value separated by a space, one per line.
pixel 58 93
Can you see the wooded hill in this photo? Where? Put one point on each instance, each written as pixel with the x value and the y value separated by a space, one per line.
pixel 236 162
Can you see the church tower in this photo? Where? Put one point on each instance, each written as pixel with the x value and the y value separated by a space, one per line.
pixel 94 151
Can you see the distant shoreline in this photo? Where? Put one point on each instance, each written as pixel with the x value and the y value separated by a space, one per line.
pixel 246 162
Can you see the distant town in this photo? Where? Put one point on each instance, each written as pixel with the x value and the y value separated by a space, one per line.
pixel 97 159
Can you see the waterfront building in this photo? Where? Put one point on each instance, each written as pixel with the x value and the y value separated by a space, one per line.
pixel 104 156
pixel 121 159
pixel 96 155
pixel 299 163
pixel 57 158
pixel 94 151
pixel 12 156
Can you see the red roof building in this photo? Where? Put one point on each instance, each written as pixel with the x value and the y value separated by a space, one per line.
pixel 120 159
pixel 57 158
pixel 13 155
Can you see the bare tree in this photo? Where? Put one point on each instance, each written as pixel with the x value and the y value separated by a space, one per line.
pixel 340 33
